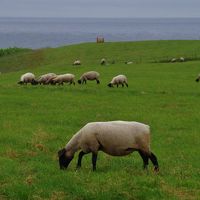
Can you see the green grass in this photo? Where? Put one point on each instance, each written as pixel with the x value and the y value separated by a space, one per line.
pixel 36 121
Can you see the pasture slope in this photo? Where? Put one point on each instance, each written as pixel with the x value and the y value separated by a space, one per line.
pixel 36 121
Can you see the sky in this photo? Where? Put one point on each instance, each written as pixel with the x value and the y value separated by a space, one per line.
pixel 100 8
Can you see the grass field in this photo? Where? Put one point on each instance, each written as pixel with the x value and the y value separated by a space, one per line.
pixel 36 121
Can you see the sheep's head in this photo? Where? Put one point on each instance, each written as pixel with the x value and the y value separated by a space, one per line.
pixel 20 82
pixel 79 81
pixel 110 85
pixel 197 80
pixel 64 158
pixel 34 82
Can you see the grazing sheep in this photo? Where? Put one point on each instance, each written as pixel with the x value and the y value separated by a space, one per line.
pixel 77 62
pixel 103 61
pixel 119 80
pixel 91 75
pixel 173 60
pixel 27 78
pixel 198 78
pixel 116 138
pixel 63 78
pixel 182 59
pixel 128 62
pixel 44 79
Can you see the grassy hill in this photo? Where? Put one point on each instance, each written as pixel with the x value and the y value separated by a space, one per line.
pixel 36 121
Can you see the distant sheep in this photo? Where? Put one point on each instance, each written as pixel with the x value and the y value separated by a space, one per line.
pixel 119 80
pixel 182 59
pixel 27 78
pixel 44 79
pixel 198 78
pixel 77 62
pixel 103 61
pixel 128 62
pixel 173 60
pixel 116 138
pixel 63 78
pixel 91 75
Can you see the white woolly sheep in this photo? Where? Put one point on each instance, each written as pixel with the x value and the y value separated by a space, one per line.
pixel 103 61
pixel 119 80
pixel 198 78
pixel 44 79
pixel 63 78
pixel 173 60
pixel 77 62
pixel 116 138
pixel 27 78
pixel 128 62
pixel 182 59
pixel 91 75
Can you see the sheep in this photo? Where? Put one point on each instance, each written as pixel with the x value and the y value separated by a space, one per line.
pixel 27 78
pixel 77 62
pixel 63 78
pixel 128 62
pixel 182 59
pixel 173 60
pixel 103 61
pixel 198 78
pixel 44 79
pixel 120 79
pixel 91 75
pixel 116 138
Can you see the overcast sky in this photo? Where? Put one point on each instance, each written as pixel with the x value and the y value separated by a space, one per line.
pixel 99 8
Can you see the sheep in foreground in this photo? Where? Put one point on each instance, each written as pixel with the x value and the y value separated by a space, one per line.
pixel 63 78
pixel 77 62
pixel 116 138
pixel 91 75
pixel 27 78
pixel 198 78
pixel 44 79
pixel 119 80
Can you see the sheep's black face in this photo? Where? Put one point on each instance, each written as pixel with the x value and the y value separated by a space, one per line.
pixel 110 85
pixel 63 159
pixel 79 81
pixel 20 82
pixel 98 81
pixel 34 82
pixel 197 80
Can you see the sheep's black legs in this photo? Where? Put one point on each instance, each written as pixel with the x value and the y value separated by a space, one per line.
pixel 144 158
pixel 154 161
pixel 126 84
pixel 94 160
pixel 81 154
pixel 122 85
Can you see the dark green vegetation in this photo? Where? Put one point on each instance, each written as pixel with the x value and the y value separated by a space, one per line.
pixel 36 121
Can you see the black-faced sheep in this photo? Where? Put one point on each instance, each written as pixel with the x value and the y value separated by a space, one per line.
pixel 63 78
pixel 27 78
pixel 116 138
pixel 198 78
pixel 91 75
pixel 119 80
pixel 44 79
pixel 103 61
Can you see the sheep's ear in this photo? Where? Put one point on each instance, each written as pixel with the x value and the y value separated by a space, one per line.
pixel 61 152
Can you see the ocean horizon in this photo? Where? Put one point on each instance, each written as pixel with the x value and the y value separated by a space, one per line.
pixel 53 32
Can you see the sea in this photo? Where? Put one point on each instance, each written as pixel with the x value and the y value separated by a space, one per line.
pixel 53 32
